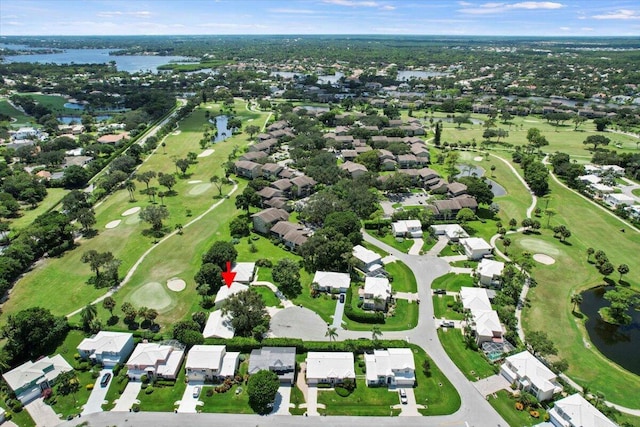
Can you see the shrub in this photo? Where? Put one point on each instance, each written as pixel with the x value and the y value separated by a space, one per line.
pixel 149 390
pixel 117 369
pixel 343 392
pixel 263 262
pixel 209 391
pixel 519 406
pixel 135 407
pixel 534 414
pixel 144 378
pixel 95 374
pixel 89 386
pixel 17 407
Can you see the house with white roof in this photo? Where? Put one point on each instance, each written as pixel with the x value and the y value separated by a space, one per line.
pixel 489 272
pixel 156 360
pixel 209 362
pixel 329 367
pixel 226 291
pixel 531 375
pixel 474 299
pixel 368 260
pixel 107 348
pixel 453 232
pixel 618 199
pixel 407 228
pixel 332 282
pixel 484 320
pixel 377 293
pixel 218 326
pixel 576 411
pixel 244 271
pixel 392 367
pixel 476 247
pixel 30 379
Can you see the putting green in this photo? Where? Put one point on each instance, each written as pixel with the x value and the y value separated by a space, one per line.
pixel 199 189
pixel 152 295
pixel 535 245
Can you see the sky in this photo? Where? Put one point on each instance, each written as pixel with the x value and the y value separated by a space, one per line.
pixel 393 17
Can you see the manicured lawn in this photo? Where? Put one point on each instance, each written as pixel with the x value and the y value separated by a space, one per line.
pixel 324 305
pixel 163 398
pixel 297 398
pixel 471 363
pixel 54 102
pixel 117 383
pixel 399 243
pixel 366 401
pixel 21 419
pixel 435 391
pixel 403 278
pixel 270 299
pixel 228 402
pixel 464 264
pixel 448 251
pixel 453 282
pixel 505 405
pixel 429 242
pixel 374 248
pixel 54 196
pixel 21 118
pixel 441 310
pixel 636 192
pixel 405 317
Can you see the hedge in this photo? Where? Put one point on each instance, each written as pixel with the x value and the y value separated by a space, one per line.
pixel 359 315
pixel 245 345
pixel 374 225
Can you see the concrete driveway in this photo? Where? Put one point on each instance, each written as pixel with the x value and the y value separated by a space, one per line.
pixel 337 316
pixel 97 396
pixel 312 401
pixel 411 408
pixel 283 398
pixel 299 322
pixel 189 404
pixel 43 415
pixel 492 384
pixel 128 397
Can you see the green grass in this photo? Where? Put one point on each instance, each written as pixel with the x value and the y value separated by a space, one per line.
pixel 21 419
pixel 297 398
pixel 114 391
pixel 441 310
pixel 471 363
pixel 374 248
pixel 228 402
pixel 369 401
pixel 21 119
pixel 504 403
pixel 403 278
pixel 434 391
pixel 270 299
pixel 464 264
pixel 323 305
pixel 163 398
pixel 399 243
pixel 405 317
pixel 54 196
pixel 429 242
pixel 636 192
pixel 448 251
pixel 453 282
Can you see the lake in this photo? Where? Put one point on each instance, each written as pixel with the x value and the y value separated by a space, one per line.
pixel 470 170
pixel 68 119
pixel 130 64
pixel 621 344
pixel 221 126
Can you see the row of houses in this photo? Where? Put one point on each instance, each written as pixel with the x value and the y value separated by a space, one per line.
pixel 376 293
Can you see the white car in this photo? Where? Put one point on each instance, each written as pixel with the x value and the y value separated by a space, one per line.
pixel 196 392
pixel 403 396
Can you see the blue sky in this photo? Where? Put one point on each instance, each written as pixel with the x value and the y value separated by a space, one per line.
pixel 470 17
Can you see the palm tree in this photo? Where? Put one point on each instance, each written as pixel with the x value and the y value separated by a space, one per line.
pixel 109 304
pixel 576 300
pixel 332 333
pixel 131 188
pixel 375 333
pixel 88 314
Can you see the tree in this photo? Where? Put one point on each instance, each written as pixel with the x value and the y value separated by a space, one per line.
pixel 577 121
pixel 154 215
pixel 209 274
pixel 536 139
pixel 87 218
pixel 601 124
pixel 478 188
pixel 219 181
pixel 247 312
pixel 129 311
pixel 326 250
pixel 167 180
pixel 220 253
pixel 465 215
pixel 67 383
pixel 596 140
pixel 96 260
pixel 32 332
pixel 606 268
pixel 262 388
pixel 131 188
pixel 376 333
pixel 540 343
pixel 75 177
pixel 506 242
pixel 576 300
pixel 109 303
pixel 239 227
pixel 461 119
pixel 286 273
pixel 146 177
pixel 549 212
pixel 623 269
pixel 590 251
pixel 252 130
pixel 332 333
pixel 188 333
pixel 248 198
pixel 183 165
pixel 88 313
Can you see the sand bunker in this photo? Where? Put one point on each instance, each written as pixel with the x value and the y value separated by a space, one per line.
pixel 199 189
pixel 176 132
pixel 176 285
pixel 536 245
pixel 207 152
pixel 478 159
pixel 131 211
pixel 531 121
pixel 195 181
pixel 152 295
pixel 544 259
pixel 113 224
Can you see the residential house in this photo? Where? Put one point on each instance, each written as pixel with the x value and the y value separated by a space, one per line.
pixel 349 155
pixel 407 228
pixel 155 360
pixel 283 185
pixel 392 367
pixel 107 348
pixel 368 260
pixel 113 138
pixel 354 169
pixel 248 169
pixel 281 228
pixel 264 220
pixel 281 360
pixel 329 367
pixel 455 189
pixel 295 238
pixel 453 232
pixel 304 185
pixel 266 146
pixel 531 375
pixel 427 174
pixel 331 282
pixel 476 247
pixel 271 170
pixel 268 193
pixel 406 161
pixel 421 152
pixel 218 326
pixel 30 379
pixel 489 272
pixel 278 203
pixel 484 320
pixel 210 362
pixel 618 199
pixel 377 293
pixel 226 291
pixel 576 411
pixel 252 156
pixel 26 133
pixel 245 271
pixel 613 169
pixel 438 186
pixel 388 164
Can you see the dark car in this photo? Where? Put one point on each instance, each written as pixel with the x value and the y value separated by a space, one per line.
pixel 342 298
pixel 448 324
pixel 105 379
pixel 440 291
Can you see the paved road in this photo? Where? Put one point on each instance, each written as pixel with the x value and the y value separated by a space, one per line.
pixel 97 396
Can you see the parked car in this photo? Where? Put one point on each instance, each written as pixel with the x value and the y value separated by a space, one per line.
pixel 440 291
pixel 403 396
pixel 448 324
pixel 105 379
pixel 196 392
pixel 342 298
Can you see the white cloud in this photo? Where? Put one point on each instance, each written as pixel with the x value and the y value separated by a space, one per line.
pixel 622 14
pixel 491 8
pixel 565 28
pixel 388 7
pixel 117 13
pixel 360 3
pixel 14 23
pixel 586 29
pixel 293 11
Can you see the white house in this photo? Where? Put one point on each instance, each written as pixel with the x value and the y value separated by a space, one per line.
pixel 474 299
pixel 207 362
pixel 616 199
pixel 576 411
pixel 489 272
pixel 530 374
pixel 30 379
pixel 453 232
pixel 484 320
pixel 476 247
pixel 226 291
pixel 394 367
pixel 107 348
pixel 155 360
pixel 368 260
pixel 407 228
pixel 244 271
pixel 614 169
pixel 329 367
pixel 376 288
pixel 218 326
pixel 329 281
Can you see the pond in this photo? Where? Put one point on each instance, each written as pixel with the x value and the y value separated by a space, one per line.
pixel 221 126
pixel 621 344
pixel 77 119
pixel 470 170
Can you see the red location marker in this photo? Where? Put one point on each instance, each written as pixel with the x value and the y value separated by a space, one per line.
pixel 228 275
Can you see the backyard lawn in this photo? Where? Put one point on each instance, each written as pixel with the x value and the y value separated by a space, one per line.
pixel 442 310
pixel 471 363
pixel 403 279
pixel 270 299
pixel 453 282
